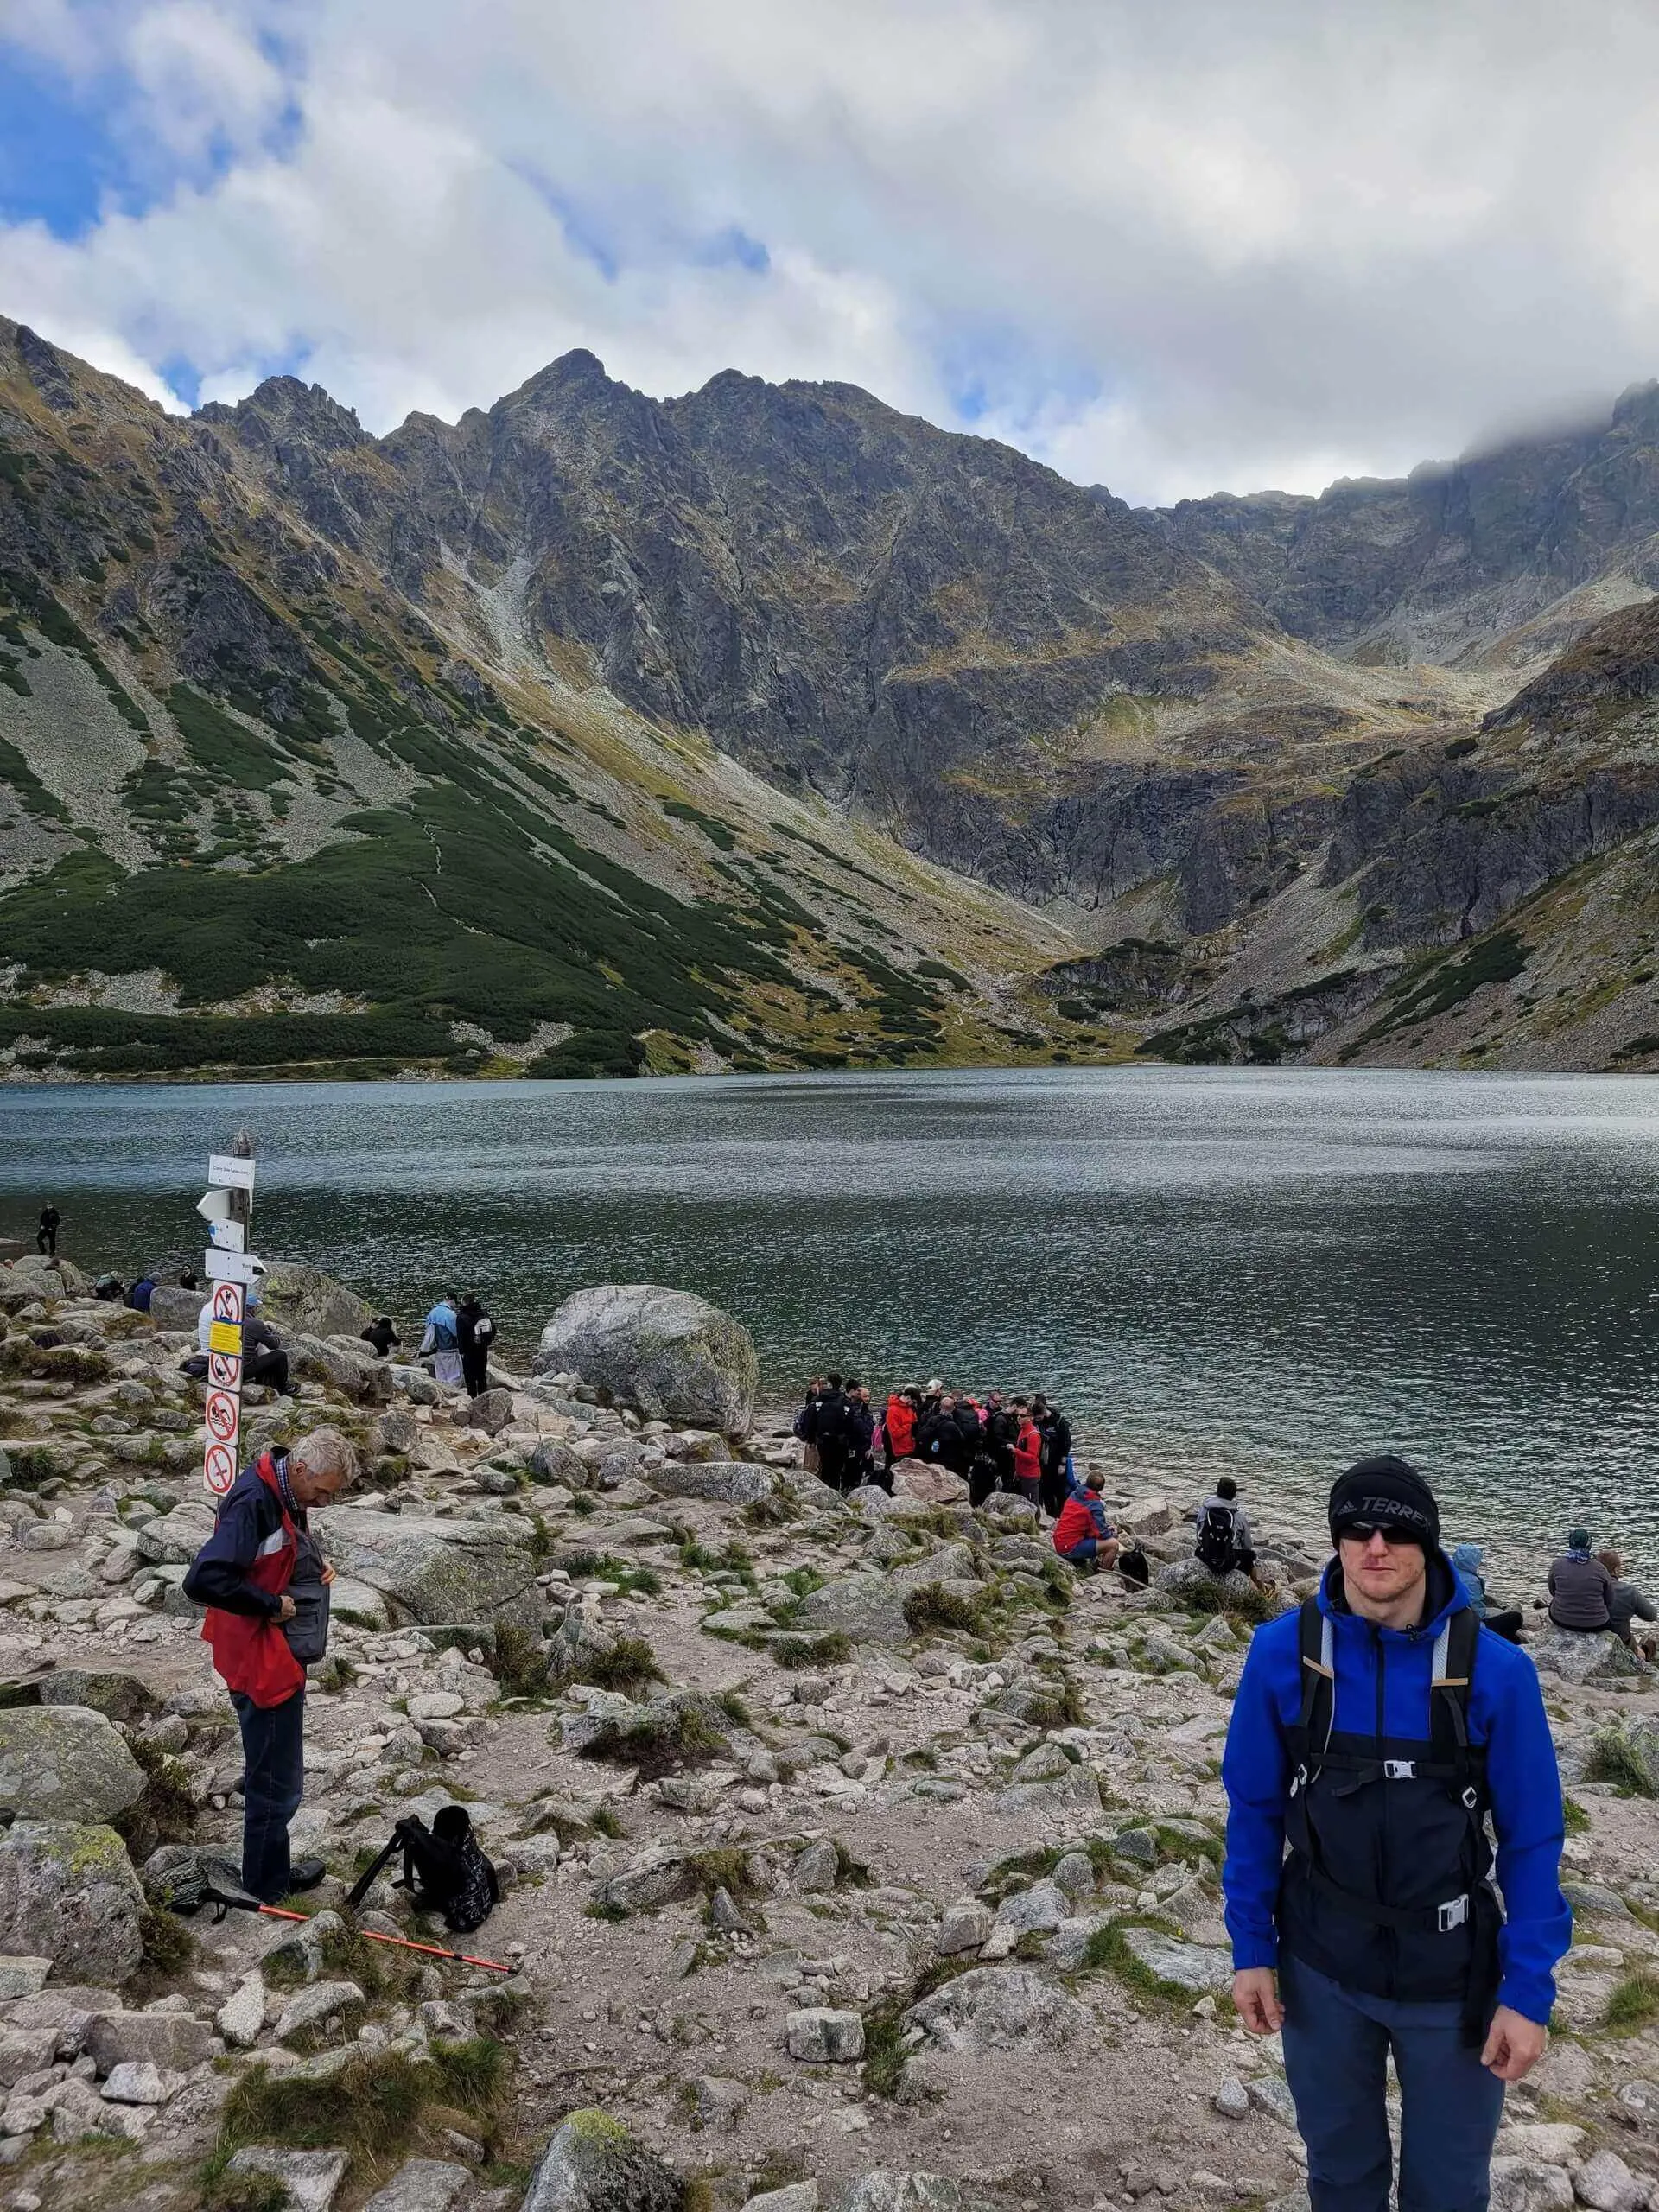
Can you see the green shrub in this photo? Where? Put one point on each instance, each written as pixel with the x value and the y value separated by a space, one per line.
pixel 626 1665
pixel 1634 2003
pixel 933 1606
pixel 1614 1758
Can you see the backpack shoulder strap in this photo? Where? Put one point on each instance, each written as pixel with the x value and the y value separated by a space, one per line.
pixel 1316 1643
pixel 1451 1676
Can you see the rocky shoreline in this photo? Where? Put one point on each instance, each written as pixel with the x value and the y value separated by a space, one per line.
pixel 856 1857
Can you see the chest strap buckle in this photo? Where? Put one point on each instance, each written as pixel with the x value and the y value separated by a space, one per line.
pixel 1400 1769
pixel 1453 1913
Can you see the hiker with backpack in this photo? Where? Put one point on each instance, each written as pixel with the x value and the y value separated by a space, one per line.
pixel 1375 1731
pixel 265 1585
pixel 1223 1532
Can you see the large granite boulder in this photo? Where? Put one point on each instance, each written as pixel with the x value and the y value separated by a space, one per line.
pixel 594 2164
pixel 32 1276
pixel 435 1570
pixel 303 1301
pixel 65 1762
pixel 1584 1656
pixel 346 1365
pixel 668 1353
pixel 68 1893
pixel 870 1608
pixel 889 2189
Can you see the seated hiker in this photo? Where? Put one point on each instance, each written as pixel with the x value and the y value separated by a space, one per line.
pixel 263 1359
pixel 142 1291
pixel 1083 1534
pixel 1223 1532
pixel 382 1335
pixel 1581 1588
pixel 1466 1561
pixel 1627 1606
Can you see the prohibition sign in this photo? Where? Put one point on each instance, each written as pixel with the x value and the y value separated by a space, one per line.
pixel 227 1302
pixel 218 1469
pixel 222 1417
pixel 224 1370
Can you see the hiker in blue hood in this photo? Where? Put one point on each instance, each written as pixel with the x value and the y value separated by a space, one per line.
pixel 1374 1731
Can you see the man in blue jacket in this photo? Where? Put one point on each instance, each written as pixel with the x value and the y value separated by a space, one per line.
pixel 1373 1732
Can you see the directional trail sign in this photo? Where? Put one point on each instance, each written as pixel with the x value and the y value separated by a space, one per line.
pixel 230 1269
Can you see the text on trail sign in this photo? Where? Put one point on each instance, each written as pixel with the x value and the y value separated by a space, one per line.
pixel 228 1172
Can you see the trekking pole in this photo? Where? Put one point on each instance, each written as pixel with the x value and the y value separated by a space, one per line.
pixel 188 1899
pixel 404 1944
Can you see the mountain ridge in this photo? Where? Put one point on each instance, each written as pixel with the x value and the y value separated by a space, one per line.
pixel 860 698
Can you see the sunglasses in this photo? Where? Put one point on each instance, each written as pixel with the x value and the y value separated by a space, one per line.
pixel 1391 1535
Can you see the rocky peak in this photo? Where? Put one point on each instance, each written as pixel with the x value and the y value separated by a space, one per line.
pixel 281 408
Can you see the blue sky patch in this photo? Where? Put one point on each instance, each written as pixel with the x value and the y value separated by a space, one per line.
pixel 56 163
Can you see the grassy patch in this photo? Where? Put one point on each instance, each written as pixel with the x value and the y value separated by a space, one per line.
pixel 1107 1951
pixel 375 2107
pixel 1614 1758
pixel 626 1665
pixel 1575 1820
pixel 1634 2003
pixel 831 1650
pixel 884 2033
pixel 663 1743
pixel 518 1660
pixel 933 1606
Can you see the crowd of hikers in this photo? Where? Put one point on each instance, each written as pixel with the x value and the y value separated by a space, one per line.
pixel 1024 1444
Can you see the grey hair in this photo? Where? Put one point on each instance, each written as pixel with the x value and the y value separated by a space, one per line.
pixel 325 1451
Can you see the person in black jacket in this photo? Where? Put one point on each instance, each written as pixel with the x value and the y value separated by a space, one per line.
pixel 1000 1430
pixel 475 1333
pixel 46 1237
pixel 1056 1432
pixel 969 1432
pixel 831 1431
pixel 859 1465
pixel 382 1335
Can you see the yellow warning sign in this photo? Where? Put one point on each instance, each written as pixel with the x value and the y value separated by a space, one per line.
pixel 225 1336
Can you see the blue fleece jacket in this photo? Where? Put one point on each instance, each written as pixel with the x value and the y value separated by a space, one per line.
pixel 1506 1714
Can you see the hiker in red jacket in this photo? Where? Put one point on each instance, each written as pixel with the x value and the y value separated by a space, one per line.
pixel 1027 1454
pixel 898 1423
pixel 1083 1534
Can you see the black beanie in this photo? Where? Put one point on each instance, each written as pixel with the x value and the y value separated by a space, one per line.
pixel 1389 1492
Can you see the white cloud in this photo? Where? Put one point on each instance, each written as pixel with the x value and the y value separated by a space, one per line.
pixel 1217 243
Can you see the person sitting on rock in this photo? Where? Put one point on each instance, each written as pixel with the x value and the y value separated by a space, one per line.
pixel 1581 1588
pixel 1223 1532
pixel 1466 1561
pixel 263 1359
pixel 382 1335
pixel 1083 1534
pixel 1627 1606
pixel 142 1291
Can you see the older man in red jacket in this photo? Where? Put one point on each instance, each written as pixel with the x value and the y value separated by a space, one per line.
pixel 264 1583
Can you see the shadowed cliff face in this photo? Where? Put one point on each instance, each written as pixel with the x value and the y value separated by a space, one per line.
pixel 677 694
pixel 1444 564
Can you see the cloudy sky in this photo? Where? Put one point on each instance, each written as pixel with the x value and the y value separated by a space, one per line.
pixel 1170 247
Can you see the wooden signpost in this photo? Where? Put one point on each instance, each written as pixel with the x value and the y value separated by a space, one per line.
pixel 227 1208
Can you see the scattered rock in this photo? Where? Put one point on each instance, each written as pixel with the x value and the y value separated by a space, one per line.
pixel 65 1762
pixel 1606 2184
pixel 310 2007
pixel 69 1893
pixel 927 1482
pixel 175 2042
pixel 310 2177
pixel 1579 1656
pixel 820 2036
pixel 594 2164
pixel 997 2008
pixel 1188 1966
pixel 420 2185
pixel 1527 2185
pixel 437 1570
pixel 965 1926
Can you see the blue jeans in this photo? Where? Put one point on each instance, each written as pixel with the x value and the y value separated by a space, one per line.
pixel 1337 2042
pixel 1088 1549
pixel 273 1782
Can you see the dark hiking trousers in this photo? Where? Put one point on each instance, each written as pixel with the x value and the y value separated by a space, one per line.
pixel 476 1372
pixel 1337 2043
pixel 46 1241
pixel 273 1782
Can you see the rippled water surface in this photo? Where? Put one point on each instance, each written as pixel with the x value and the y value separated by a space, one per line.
pixel 1267 1271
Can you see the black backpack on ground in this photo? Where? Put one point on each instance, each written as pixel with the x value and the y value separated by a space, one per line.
pixel 444 1867
pixel 1218 1544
